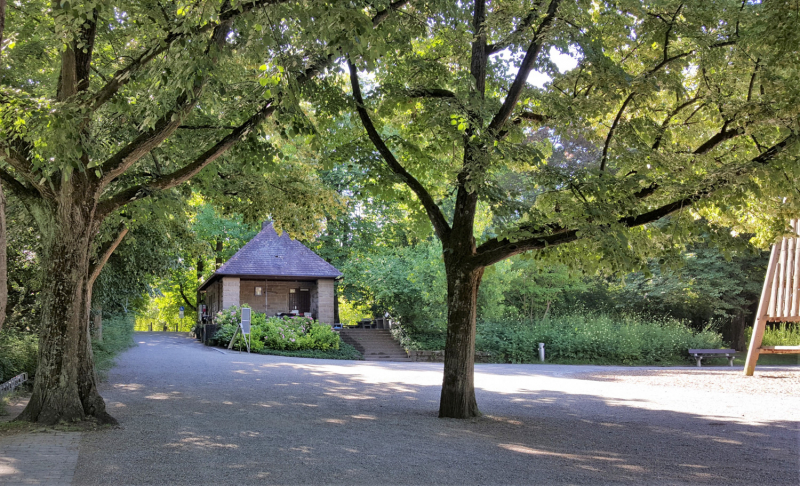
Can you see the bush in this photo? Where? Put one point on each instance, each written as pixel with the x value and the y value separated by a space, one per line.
pixel 19 350
pixel 345 351
pixel 18 353
pixel 781 335
pixel 293 333
pixel 579 338
pixel 117 337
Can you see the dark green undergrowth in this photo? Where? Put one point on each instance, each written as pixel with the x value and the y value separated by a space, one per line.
pixel 18 352
pixel 581 338
pixel 117 337
pixel 345 351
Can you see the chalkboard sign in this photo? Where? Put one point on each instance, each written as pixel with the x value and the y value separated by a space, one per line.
pixel 245 320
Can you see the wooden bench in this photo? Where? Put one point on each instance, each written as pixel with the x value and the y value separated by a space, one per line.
pixel 699 354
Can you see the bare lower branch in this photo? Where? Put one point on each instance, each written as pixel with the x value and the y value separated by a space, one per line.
pixel 120 162
pixel 107 250
pixel 188 171
pixel 434 212
pixel 185 299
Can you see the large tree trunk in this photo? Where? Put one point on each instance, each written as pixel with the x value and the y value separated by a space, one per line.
pixel 458 385
pixel 3 256
pixel 65 386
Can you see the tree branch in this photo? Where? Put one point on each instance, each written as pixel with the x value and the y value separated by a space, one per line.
pixel 18 188
pixel 107 250
pixel 438 220
pixel 525 68
pixel 120 162
pixel 180 289
pixel 613 128
pixel 173 179
pixel 669 118
pixel 521 28
pixel 125 74
pixel 494 250
pixel 717 139
pixel 429 93
pixel 384 14
pixel 167 124
pixel 188 171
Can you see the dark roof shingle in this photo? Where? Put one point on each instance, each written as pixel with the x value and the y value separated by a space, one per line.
pixel 270 255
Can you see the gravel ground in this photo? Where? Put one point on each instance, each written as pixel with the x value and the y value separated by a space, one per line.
pixel 197 415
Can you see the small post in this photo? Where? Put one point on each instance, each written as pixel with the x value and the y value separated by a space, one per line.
pixel 541 352
pixel 98 324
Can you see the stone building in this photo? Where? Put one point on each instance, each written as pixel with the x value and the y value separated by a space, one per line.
pixel 273 274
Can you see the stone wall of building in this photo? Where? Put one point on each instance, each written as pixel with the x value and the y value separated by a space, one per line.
pixel 325 295
pixel 247 295
pixel 230 292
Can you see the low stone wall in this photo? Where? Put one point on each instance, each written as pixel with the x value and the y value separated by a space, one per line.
pixel 438 356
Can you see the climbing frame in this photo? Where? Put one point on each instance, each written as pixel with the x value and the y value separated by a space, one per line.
pixel 780 299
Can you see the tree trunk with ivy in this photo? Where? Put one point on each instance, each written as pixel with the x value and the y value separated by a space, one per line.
pixel 65 388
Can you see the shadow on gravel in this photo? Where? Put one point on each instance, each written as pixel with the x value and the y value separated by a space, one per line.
pixel 237 419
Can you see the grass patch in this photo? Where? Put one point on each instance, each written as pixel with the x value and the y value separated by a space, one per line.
pixel 783 334
pixel 13 428
pixel 345 351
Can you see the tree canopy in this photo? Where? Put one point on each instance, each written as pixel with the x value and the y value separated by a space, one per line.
pixel 674 111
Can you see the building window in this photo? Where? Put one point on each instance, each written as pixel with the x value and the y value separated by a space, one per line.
pixel 259 290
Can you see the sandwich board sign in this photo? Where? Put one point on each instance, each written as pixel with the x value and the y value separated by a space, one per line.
pixel 244 328
pixel 245 324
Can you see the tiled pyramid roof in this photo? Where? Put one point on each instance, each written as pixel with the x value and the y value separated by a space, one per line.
pixel 270 255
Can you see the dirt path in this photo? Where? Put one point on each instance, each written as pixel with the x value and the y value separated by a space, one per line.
pixel 195 415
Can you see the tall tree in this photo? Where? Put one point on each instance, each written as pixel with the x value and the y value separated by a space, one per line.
pixel 3 234
pixel 692 105
pixel 108 102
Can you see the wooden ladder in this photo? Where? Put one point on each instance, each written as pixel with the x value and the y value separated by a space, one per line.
pixel 780 299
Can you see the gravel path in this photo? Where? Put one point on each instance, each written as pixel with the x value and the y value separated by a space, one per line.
pixel 197 415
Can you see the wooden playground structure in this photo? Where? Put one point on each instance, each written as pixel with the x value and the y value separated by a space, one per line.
pixel 780 299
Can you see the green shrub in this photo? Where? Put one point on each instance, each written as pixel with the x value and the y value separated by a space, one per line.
pixel 19 350
pixel 18 353
pixel 345 351
pixel 293 333
pixel 781 335
pixel 580 338
pixel 117 337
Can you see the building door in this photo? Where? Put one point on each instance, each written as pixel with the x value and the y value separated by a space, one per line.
pixel 300 299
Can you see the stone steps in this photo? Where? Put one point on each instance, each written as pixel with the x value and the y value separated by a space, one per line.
pixel 375 344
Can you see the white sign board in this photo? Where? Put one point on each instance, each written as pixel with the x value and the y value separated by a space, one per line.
pixel 245 324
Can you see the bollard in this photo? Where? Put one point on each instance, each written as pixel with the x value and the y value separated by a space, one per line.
pixel 541 352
